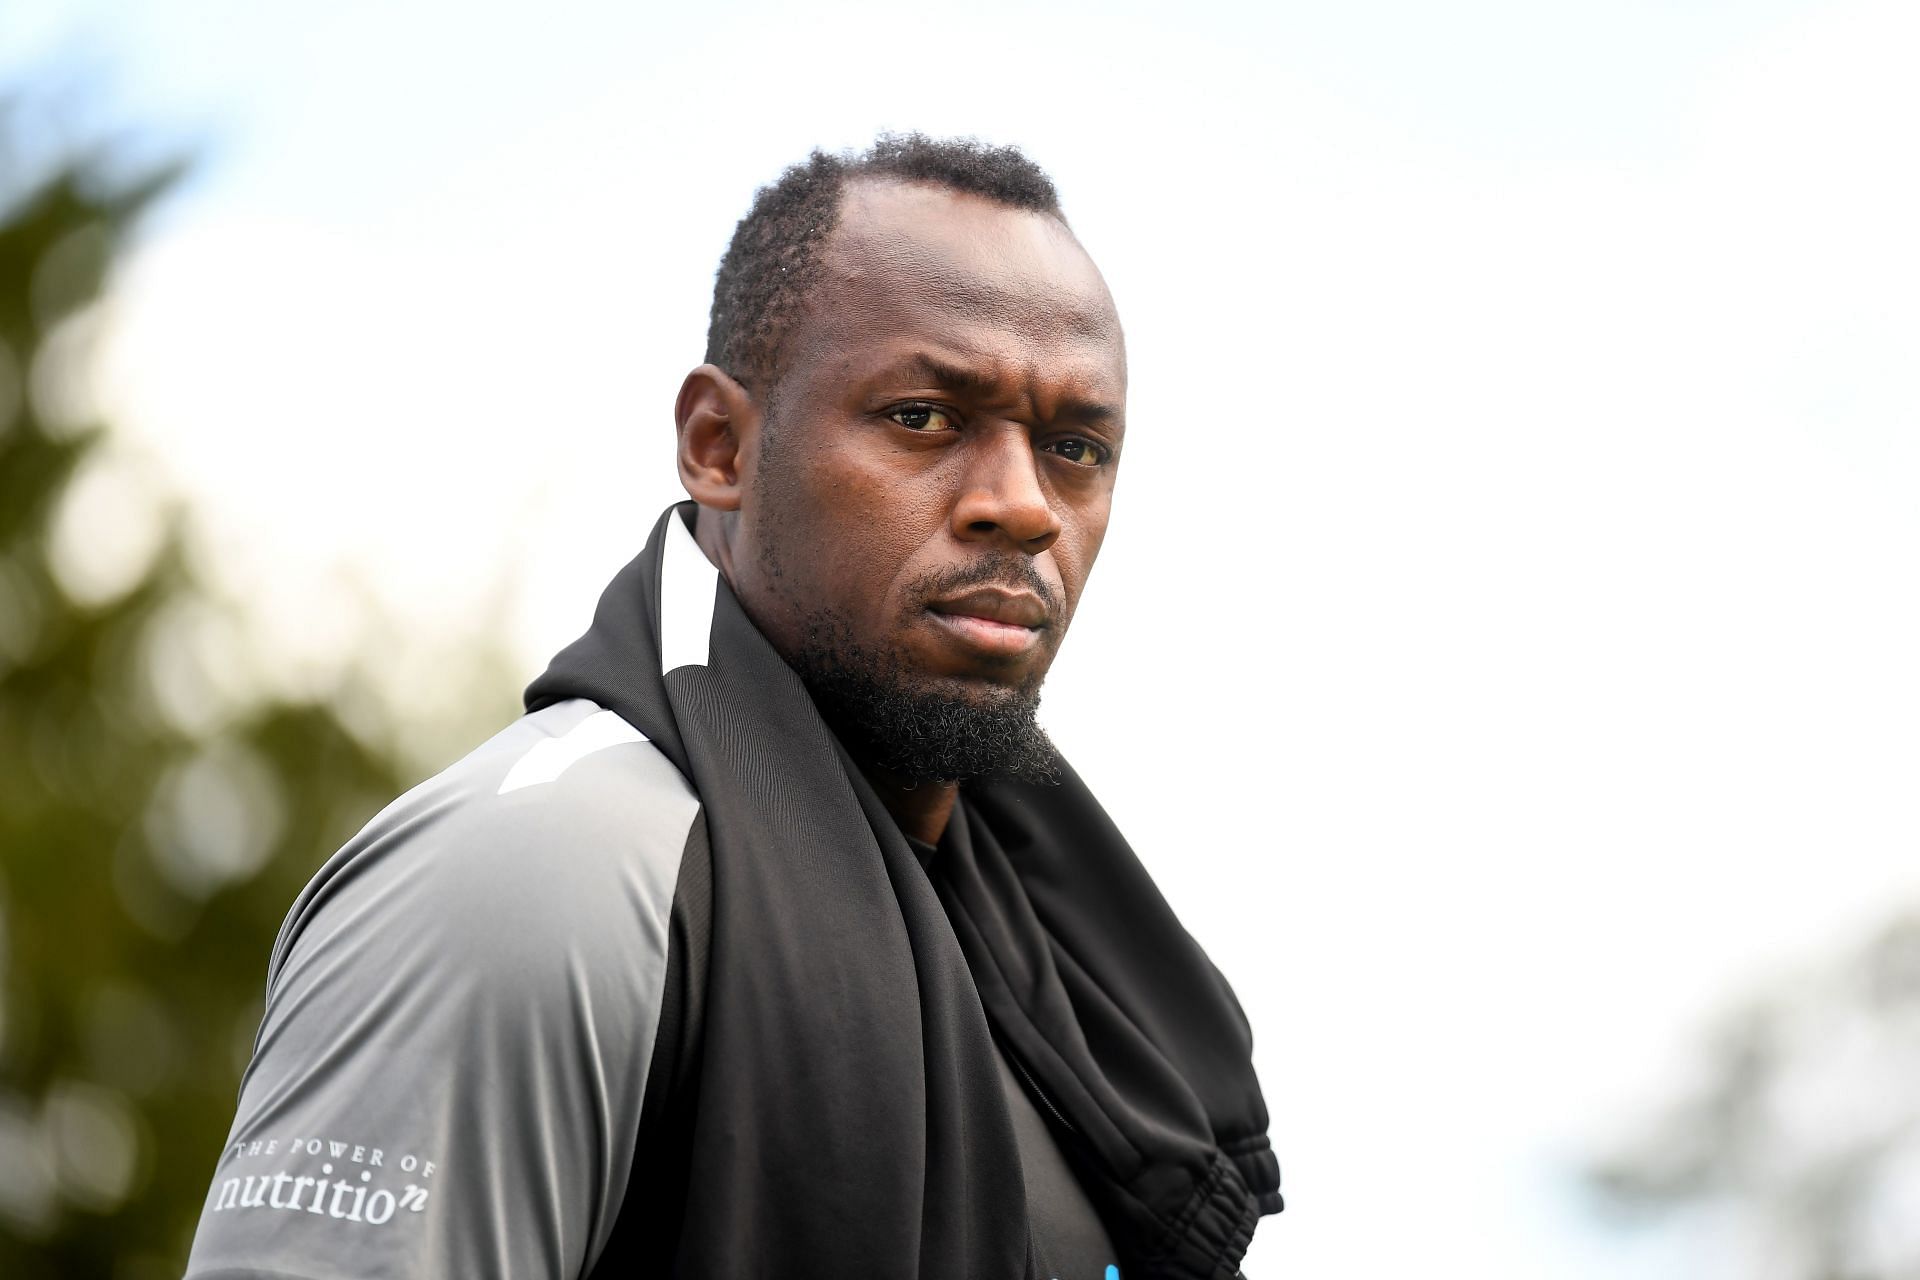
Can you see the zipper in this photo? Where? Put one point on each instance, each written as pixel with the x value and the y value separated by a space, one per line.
pixel 1033 1087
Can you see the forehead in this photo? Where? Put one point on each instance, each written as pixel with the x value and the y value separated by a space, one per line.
pixel 912 260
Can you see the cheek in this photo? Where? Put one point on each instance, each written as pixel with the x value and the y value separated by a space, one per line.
pixel 848 530
pixel 882 502
pixel 1077 549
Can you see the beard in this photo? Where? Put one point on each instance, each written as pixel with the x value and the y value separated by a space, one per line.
pixel 884 710
pixel 914 726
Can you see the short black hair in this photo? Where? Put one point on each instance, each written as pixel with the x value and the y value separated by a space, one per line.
pixel 774 256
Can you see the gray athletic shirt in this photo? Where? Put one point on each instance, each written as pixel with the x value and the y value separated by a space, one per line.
pixel 461 1009
pixel 460 1013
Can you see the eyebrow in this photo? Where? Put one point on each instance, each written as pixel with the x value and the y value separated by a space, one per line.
pixel 953 377
pixel 963 380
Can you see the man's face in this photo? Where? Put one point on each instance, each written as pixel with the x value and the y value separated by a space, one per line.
pixel 933 479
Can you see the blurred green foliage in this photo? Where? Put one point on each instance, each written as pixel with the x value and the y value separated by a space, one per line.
pixel 148 852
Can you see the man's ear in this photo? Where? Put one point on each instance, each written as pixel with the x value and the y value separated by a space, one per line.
pixel 719 426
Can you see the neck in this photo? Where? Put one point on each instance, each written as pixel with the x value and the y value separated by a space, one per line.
pixel 922 809
pixel 711 536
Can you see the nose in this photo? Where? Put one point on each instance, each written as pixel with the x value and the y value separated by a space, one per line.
pixel 1002 497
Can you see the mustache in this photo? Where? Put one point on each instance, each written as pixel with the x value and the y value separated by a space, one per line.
pixel 999 569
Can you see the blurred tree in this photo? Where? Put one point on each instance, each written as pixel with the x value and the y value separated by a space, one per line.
pixel 158 814
pixel 1797 1157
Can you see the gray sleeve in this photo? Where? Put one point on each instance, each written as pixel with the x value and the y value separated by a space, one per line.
pixel 460 1014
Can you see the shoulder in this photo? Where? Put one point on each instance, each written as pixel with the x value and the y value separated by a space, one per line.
pixel 569 777
pixel 475 982
pixel 561 835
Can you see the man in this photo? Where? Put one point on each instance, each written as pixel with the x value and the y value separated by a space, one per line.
pixel 776 939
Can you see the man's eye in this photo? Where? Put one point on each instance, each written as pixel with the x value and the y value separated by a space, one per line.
pixel 1084 452
pixel 923 417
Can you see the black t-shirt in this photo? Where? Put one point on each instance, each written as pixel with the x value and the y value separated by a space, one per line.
pixel 1069 1241
pixel 1068 1238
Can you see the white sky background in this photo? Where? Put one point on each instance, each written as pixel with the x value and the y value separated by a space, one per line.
pixel 1503 649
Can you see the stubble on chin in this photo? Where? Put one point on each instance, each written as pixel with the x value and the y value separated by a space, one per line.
pixel 887 711
pixel 915 726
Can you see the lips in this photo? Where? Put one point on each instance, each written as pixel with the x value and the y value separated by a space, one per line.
pixel 992 623
pixel 1008 608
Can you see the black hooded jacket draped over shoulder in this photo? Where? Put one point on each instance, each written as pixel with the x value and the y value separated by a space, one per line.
pixel 848 1120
